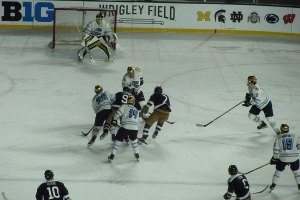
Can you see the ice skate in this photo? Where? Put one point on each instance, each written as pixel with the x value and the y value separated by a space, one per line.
pixel 110 158
pixel 155 134
pixel 272 187
pixel 91 142
pixel 262 125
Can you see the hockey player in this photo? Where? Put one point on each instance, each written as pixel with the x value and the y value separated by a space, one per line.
pixel 285 152
pixel 260 101
pixel 51 189
pixel 128 114
pixel 119 99
pixel 162 109
pixel 101 103
pixel 98 33
pixel 237 184
pixel 133 79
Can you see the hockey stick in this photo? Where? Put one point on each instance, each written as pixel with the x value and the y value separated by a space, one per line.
pixel 170 122
pixel 204 125
pixel 256 168
pixel 87 133
pixel 258 191
pixel 4 196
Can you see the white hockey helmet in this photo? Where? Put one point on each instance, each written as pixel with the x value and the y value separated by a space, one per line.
pixel 99 18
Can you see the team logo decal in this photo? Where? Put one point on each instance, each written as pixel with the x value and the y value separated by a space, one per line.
pixel 203 16
pixel 271 18
pixel 219 16
pixel 254 18
pixel 289 18
pixel 236 17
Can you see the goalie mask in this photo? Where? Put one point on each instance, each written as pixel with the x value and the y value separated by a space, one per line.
pixel 131 100
pixel 232 170
pixel 252 80
pixel 284 128
pixel 130 71
pixel 99 18
pixel 98 89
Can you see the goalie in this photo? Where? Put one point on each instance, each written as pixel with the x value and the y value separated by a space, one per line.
pixel 98 33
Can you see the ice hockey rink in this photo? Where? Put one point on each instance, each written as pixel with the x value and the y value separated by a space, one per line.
pixel 45 103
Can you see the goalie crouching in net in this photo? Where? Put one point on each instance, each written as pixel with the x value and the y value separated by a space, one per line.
pixel 98 34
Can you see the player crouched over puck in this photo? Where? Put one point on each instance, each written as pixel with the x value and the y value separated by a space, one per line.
pixel 98 33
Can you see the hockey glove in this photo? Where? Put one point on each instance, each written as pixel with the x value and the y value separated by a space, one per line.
pixel 145 109
pixel 246 104
pixel 114 122
pixel 273 161
pixel 226 196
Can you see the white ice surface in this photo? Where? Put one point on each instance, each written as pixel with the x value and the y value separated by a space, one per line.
pixel 45 102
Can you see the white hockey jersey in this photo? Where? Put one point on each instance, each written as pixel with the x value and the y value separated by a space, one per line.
pixel 102 101
pixel 259 97
pixel 133 82
pixel 129 116
pixel 98 30
pixel 286 147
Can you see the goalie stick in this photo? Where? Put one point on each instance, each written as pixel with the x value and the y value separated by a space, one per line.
pixel 204 125
pixel 4 196
pixel 87 133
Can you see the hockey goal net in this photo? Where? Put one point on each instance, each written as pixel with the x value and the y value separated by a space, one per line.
pixel 68 24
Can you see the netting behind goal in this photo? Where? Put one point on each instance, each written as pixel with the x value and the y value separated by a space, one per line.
pixel 68 23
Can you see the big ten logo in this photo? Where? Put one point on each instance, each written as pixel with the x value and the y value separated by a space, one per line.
pixel 15 11
pixel 203 16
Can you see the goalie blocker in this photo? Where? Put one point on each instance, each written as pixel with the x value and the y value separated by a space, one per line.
pixel 105 43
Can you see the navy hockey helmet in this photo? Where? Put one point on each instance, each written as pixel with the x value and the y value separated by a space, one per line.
pixel 284 128
pixel 158 89
pixel 98 89
pixel 126 89
pixel 232 170
pixel 131 100
pixel 252 80
pixel 49 174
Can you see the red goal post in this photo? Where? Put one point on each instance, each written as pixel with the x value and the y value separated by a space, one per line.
pixel 68 23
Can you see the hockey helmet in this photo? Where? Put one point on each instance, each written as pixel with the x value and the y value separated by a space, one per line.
pixel 49 174
pixel 126 89
pixel 99 18
pixel 158 90
pixel 131 100
pixel 284 128
pixel 131 71
pixel 252 80
pixel 232 170
pixel 98 89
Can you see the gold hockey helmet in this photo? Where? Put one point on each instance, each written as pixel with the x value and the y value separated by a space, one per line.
pixel 131 71
pixel 284 128
pixel 252 80
pixel 98 89
pixel 131 100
